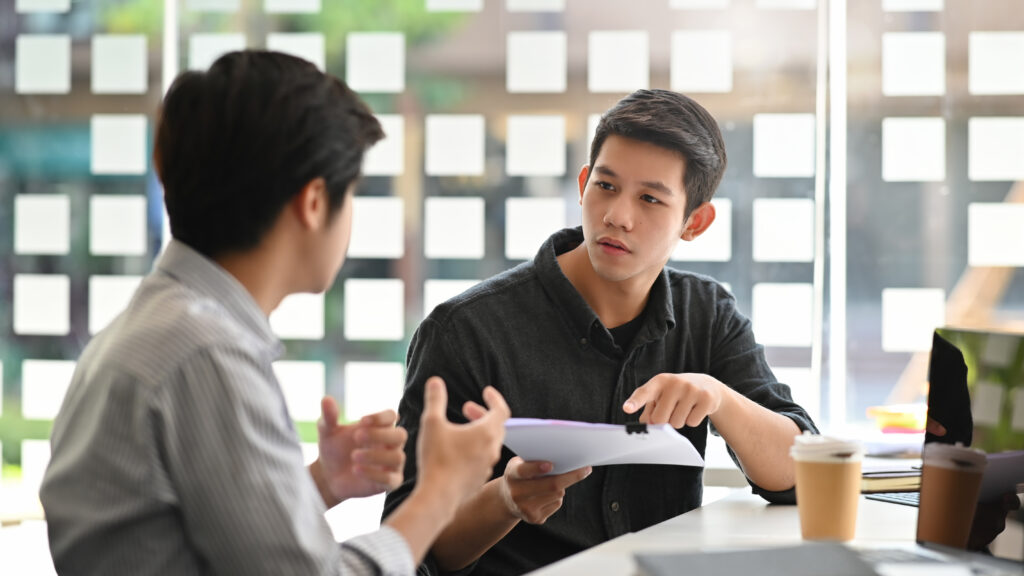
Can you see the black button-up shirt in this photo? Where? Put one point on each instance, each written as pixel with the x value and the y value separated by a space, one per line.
pixel 530 334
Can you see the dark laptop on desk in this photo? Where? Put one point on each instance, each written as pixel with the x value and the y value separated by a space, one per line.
pixel 976 391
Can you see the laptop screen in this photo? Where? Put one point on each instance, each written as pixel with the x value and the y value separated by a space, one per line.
pixel 992 363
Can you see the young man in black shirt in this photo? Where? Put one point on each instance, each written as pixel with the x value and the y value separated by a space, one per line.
pixel 598 329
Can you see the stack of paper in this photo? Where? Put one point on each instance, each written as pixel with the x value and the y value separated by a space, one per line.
pixel 893 481
pixel 570 445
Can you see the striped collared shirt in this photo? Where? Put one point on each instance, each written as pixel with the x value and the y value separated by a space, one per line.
pixel 174 453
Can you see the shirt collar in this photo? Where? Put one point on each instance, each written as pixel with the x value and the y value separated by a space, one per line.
pixel 660 315
pixel 207 278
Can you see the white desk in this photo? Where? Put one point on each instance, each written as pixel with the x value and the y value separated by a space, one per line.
pixel 740 520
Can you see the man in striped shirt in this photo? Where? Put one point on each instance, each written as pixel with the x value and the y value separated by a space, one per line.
pixel 173 452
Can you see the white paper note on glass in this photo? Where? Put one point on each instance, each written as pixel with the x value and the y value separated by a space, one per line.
pixel 570 445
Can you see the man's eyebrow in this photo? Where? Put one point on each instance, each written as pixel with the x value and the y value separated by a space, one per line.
pixel 651 184
pixel 655 185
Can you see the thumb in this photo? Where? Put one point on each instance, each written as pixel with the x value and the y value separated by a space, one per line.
pixel 638 399
pixel 328 414
pixel 435 398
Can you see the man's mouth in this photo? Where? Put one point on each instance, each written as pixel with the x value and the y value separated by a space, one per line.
pixel 612 245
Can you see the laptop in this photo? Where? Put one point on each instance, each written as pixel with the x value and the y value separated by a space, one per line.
pixel 976 391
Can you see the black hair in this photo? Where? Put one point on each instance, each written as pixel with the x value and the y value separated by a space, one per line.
pixel 236 143
pixel 674 122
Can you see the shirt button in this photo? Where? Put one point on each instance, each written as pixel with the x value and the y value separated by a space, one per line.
pixel 614 506
pixel 583 341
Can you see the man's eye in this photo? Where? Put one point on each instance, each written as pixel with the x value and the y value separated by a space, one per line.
pixel 650 199
pixel 605 185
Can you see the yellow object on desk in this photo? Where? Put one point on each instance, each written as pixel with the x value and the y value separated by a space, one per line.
pixel 900 417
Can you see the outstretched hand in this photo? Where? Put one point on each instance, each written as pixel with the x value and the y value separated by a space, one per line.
pixel 359 459
pixel 459 458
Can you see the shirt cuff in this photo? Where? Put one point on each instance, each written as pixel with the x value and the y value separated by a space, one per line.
pixel 385 548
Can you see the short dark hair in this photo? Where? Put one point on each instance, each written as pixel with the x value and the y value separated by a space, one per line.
pixel 236 143
pixel 674 122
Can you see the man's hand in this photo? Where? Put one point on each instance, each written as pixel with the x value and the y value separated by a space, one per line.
pixel 360 459
pixel 678 399
pixel 532 496
pixel 457 459
pixel 935 427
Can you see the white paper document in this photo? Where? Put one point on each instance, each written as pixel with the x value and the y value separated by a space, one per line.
pixel 570 445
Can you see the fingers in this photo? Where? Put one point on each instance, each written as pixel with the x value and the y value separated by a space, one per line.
pixel 496 403
pixel 536 499
pixel 382 418
pixel 519 469
pixel 384 478
pixel 662 413
pixel 435 400
pixel 686 412
pixel 390 436
pixel 677 399
pixel 934 427
pixel 645 416
pixel 329 413
pixel 393 459
pixel 641 396
pixel 571 477
pixel 696 414
pixel 473 411
pixel 496 415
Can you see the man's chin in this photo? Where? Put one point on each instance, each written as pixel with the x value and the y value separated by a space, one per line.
pixel 608 274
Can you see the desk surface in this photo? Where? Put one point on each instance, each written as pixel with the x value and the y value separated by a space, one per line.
pixel 740 520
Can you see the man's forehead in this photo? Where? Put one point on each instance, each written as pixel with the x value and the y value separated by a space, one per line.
pixel 617 145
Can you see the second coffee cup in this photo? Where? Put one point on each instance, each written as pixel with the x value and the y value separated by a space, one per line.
pixel 950 481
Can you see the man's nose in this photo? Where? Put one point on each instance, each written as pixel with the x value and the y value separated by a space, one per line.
pixel 619 213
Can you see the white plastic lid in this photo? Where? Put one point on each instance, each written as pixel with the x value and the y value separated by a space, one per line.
pixel 954 456
pixel 818 448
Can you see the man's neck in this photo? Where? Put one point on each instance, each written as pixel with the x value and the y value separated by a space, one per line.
pixel 615 303
pixel 259 271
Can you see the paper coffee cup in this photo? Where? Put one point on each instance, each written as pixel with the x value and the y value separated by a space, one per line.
pixel 827 485
pixel 950 481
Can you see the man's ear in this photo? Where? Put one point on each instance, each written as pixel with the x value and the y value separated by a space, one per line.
pixel 583 177
pixel 698 221
pixel 311 204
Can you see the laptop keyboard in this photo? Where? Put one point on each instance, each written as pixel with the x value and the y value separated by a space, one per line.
pixel 904 498
pixel 891 561
pixel 875 556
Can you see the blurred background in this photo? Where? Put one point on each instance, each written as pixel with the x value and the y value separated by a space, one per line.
pixel 875 153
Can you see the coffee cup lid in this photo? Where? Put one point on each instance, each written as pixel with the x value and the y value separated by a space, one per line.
pixel 809 446
pixel 955 456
